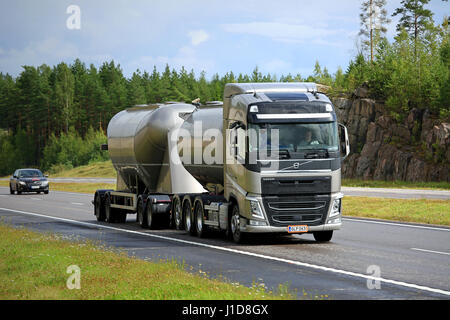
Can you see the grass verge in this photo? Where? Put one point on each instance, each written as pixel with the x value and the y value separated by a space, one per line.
pixel 442 185
pixel 34 266
pixel 411 210
pixel 103 169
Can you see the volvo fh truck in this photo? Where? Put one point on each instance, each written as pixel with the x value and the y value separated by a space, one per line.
pixel 266 160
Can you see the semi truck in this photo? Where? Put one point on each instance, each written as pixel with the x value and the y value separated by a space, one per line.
pixel 265 160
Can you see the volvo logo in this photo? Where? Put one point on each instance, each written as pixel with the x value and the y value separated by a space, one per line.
pixel 296 165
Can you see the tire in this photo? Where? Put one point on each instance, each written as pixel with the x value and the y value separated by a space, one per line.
pixel 177 213
pixel 99 210
pixel 200 227
pixel 120 217
pixel 141 217
pixel 110 213
pixel 238 236
pixel 46 192
pixel 11 191
pixel 151 217
pixel 323 236
pixel 188 217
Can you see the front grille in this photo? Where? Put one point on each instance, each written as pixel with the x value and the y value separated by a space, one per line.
pixel 284 206
pixel 302 209
pixel 297 218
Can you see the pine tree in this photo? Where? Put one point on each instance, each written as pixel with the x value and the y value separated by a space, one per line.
pixel 373 20
pixel 414 18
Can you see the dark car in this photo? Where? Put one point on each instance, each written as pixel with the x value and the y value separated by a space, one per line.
pixel 28 180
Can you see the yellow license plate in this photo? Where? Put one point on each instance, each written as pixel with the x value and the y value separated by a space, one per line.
pixel 297 229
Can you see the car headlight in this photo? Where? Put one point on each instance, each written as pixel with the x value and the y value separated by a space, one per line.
pixel 44 183
pixel 22 183
pixel 335 208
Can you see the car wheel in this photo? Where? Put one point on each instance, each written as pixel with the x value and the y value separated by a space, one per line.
pixel 11 191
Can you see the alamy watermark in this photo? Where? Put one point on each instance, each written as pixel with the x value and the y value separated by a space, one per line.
pixel 73 22
pixel 374 282
pixel 74 280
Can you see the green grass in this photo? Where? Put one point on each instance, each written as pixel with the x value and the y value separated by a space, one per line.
pixel 441 185
pixel 34 265
pixel 411 210
pixel 103 169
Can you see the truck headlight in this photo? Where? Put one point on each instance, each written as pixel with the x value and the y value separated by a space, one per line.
pixel 335 208
pixel 255 209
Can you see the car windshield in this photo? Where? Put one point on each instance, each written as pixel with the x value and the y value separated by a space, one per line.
pixel 30 173
pixel 294 138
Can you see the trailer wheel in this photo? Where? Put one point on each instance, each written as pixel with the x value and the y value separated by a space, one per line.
pixel 188 216
pixel 141 215
pixel 99 210
pixel 177 213
pixel 238 236
pixel 200 226
pixel 323 236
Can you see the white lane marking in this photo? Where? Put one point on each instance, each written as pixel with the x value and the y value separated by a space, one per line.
pixel 77 203
pixel 431 251
pixel 36 199
pixel 397 224
pixel 297 263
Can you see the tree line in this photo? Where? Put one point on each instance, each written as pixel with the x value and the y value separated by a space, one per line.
pixel 45 111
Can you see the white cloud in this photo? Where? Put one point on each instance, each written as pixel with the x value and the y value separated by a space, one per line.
pixel 50 51
pixel 186 57
pixel 284 32
pixel 198 36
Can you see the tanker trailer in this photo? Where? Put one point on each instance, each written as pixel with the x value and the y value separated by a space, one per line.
pixel 266 161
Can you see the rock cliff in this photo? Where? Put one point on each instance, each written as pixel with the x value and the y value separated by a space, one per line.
pixel 382 148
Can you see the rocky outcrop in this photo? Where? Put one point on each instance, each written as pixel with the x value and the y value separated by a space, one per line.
pixel 382 148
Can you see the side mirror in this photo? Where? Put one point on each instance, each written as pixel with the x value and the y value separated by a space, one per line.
pixel 343 141
pixel 14 176
pixel 46 175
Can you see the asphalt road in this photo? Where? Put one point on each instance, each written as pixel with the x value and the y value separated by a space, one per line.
pixel 348 191
pixel 413 260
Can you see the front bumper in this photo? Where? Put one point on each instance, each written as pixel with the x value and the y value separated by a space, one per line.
pixel 270 229
pixel 28 188
pixel 277 213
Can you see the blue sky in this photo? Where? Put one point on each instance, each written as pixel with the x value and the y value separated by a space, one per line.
pixel 279 37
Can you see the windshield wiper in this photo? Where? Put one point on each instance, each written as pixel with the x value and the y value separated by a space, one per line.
pixel 282 153
pixel 316 153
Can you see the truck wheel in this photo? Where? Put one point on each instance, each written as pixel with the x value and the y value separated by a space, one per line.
pixel 151 218
pixel 188 217
pixel 235 225
pixel 177 213
pixel 99 211
pixel 110 213
pixel 200 226
pixel 141 217
pixel 323 236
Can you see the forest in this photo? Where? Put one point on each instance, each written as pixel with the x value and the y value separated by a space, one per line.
pixel 53 116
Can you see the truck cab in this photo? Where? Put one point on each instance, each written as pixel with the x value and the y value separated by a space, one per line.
pixel 282 172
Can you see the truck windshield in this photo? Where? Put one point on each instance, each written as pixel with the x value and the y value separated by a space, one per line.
pixel 295 140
